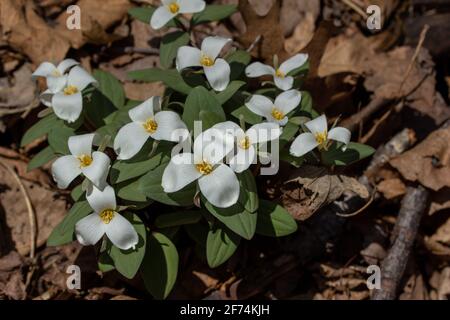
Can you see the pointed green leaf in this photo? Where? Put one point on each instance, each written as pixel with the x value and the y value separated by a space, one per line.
pixel 171 78
pixel 274 220
pixel 354 152
pixel 221 243
pixel 214 13
pixel 177 218
pixel 110 87
pixel 39 129
pixel 44 156
pixel 170 44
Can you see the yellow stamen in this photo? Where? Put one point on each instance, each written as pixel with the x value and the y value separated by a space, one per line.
pixel 206 61
pixel 150 125
pixel 277 114
pixel 204 168
pixel 245 143
pixel 107 215
pixel 321 138
pixel 85 160
pixel 70 90
pixel 174 7
pixel 280 74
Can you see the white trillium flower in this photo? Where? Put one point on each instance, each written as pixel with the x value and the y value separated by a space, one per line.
pixel 68 103
pixel 148 122
pixel 105 220
pixel 280 75
pixel 318 137
pixel 217 182
pixel 171 8
pixel 217 70
pixel 246 141
pixel 93 165
pixel 275 111
pixel 55 75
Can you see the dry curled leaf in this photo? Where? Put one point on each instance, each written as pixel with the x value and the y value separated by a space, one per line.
pixel 311 188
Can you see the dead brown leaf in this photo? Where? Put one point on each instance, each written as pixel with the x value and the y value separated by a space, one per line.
pixel 392 188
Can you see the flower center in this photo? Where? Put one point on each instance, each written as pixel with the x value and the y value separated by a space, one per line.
pixel 204 168
pixel 277 114
pixel 174 7
pixel 107 215
pixel 280 74
pixel 206 61
pixel 85 160
pixel 70 90
pixel 150 125
pixel 245 143
pixel 321 138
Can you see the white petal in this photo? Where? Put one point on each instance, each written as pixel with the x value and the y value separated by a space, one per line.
pixel 230 128
pixel 80 78
pixel 188 57
pixel 293 63
pixel 211 46
pixel 243 159
pixel 64 65
pixel 303 144
pixel 281 122
pixel 160 17
pixel 121 232
pixel 44 70
pixel 56 84
pixel 64 170
pixel 257 69
pixel 168 124
pixel 218 75
pixel 288 101
pixel 97 171
pixel 101 200
pixel 191 6
pixel 129 140
pixel 318 125
pixel 284 83
pixel 67 107
pixel 340 134
pixel 81 144
pixel 220 187
pixel 260 105
pixel 179 172
pixel 89 230
pixel 263 132
pixel 167 2
pixel 145 110
pixel 46 98
pixel 212 146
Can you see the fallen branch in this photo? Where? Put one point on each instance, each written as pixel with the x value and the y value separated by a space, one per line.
pixel 412 208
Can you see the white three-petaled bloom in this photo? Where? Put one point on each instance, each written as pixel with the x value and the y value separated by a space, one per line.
pixel 105 219
pixel 275 111
pixel 318 137
pixel 171 8
pixel 217 182
pixel 280 75
pixel 148 121
pixel 67 103
pixel 93 165
pixel 217 70
pixel 246 141
pixel 55 75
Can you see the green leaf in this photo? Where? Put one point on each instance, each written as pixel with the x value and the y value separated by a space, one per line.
pixel 170 44
pixel 274 220
pixel 221 243
pixel 127 262
pixel 144 14
pixel 39 129
pixel 64 231
pixel 354 152
pixel 105 262
pixel 58 139
pixel 213 13
pixel 178 218
pixel 238 60
pixel 229 92
pixel 289 131
pixel 110 87
pixel 171 78
pixel 249 117
pixel 97 108
pixel 150 185
pixel 197 232
pixel 160 266
pixel 209 119
pixel 77 192
pixel 200 99
pixel 130 190
pixel 44 156
pixel 249 198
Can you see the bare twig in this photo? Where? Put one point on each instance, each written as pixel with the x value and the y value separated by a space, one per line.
pixel 141 50
pixel 355 7
pixel 413 206
pixel 254 43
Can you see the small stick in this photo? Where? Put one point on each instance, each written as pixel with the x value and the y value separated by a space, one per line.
pixel 393 267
